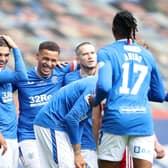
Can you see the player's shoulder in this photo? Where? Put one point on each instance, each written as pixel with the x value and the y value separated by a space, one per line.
pixel 86 85
pixel 72 74
pixel 107 51
pixel 63 69
pixel 147 55
pixel 32 72
pixel 88 81
pixel 107 47
pixel 31 69
pixel 85 81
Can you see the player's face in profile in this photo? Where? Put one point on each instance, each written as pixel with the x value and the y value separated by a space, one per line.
pixel 4 56
pixel 47 61
pixel 88 57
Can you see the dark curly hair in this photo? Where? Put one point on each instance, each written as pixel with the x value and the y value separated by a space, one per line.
pixel 124 25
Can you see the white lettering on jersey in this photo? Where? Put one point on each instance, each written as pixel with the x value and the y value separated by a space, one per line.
pixel 39 100
pixel 7 97
pixel 132 109
pixel 131 48
pixel 133 56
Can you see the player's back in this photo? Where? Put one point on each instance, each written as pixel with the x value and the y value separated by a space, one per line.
pixel 131 71
pixel 70 99
pixel 87 141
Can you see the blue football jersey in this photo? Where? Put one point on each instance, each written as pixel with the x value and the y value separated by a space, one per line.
pixel 127 77
pixel 8 118
pixel 34 94
pixel 87 141
pixel 68 109
pixel 72 76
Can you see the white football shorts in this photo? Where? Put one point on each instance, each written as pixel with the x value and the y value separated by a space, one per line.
pixel 28 154
pixel 111 147
pixel 11 158
pixel 90 157
pixel 55 149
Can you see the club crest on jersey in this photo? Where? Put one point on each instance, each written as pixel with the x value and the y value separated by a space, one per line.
pixel 54 79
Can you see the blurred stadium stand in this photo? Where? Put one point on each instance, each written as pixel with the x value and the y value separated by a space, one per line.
pixel 69 22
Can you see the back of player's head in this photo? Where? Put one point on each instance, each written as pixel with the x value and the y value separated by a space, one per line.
pixel 3 43
pixel 124 25
pixel 49 45
pixel 77 49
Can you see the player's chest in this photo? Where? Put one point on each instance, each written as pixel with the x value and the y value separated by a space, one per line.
pixel 6 94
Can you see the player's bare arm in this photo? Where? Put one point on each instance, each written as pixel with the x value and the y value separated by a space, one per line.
pixel 96 120
pixel 79 161
pixel 3 144
pixel 159 149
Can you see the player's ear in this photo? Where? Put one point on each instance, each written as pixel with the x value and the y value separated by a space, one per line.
pixel 77 59
pixel 37 56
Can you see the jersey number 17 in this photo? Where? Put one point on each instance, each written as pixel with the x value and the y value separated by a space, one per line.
pixel 137 68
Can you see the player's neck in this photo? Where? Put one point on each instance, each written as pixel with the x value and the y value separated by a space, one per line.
pixel 41 76
pixel 87 72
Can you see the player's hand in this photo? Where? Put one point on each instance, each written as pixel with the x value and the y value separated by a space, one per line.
pixel 9 41
pixel 79 161
pixel 61 63
pixel 159 149
pixel 91 100
pixel 3 144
